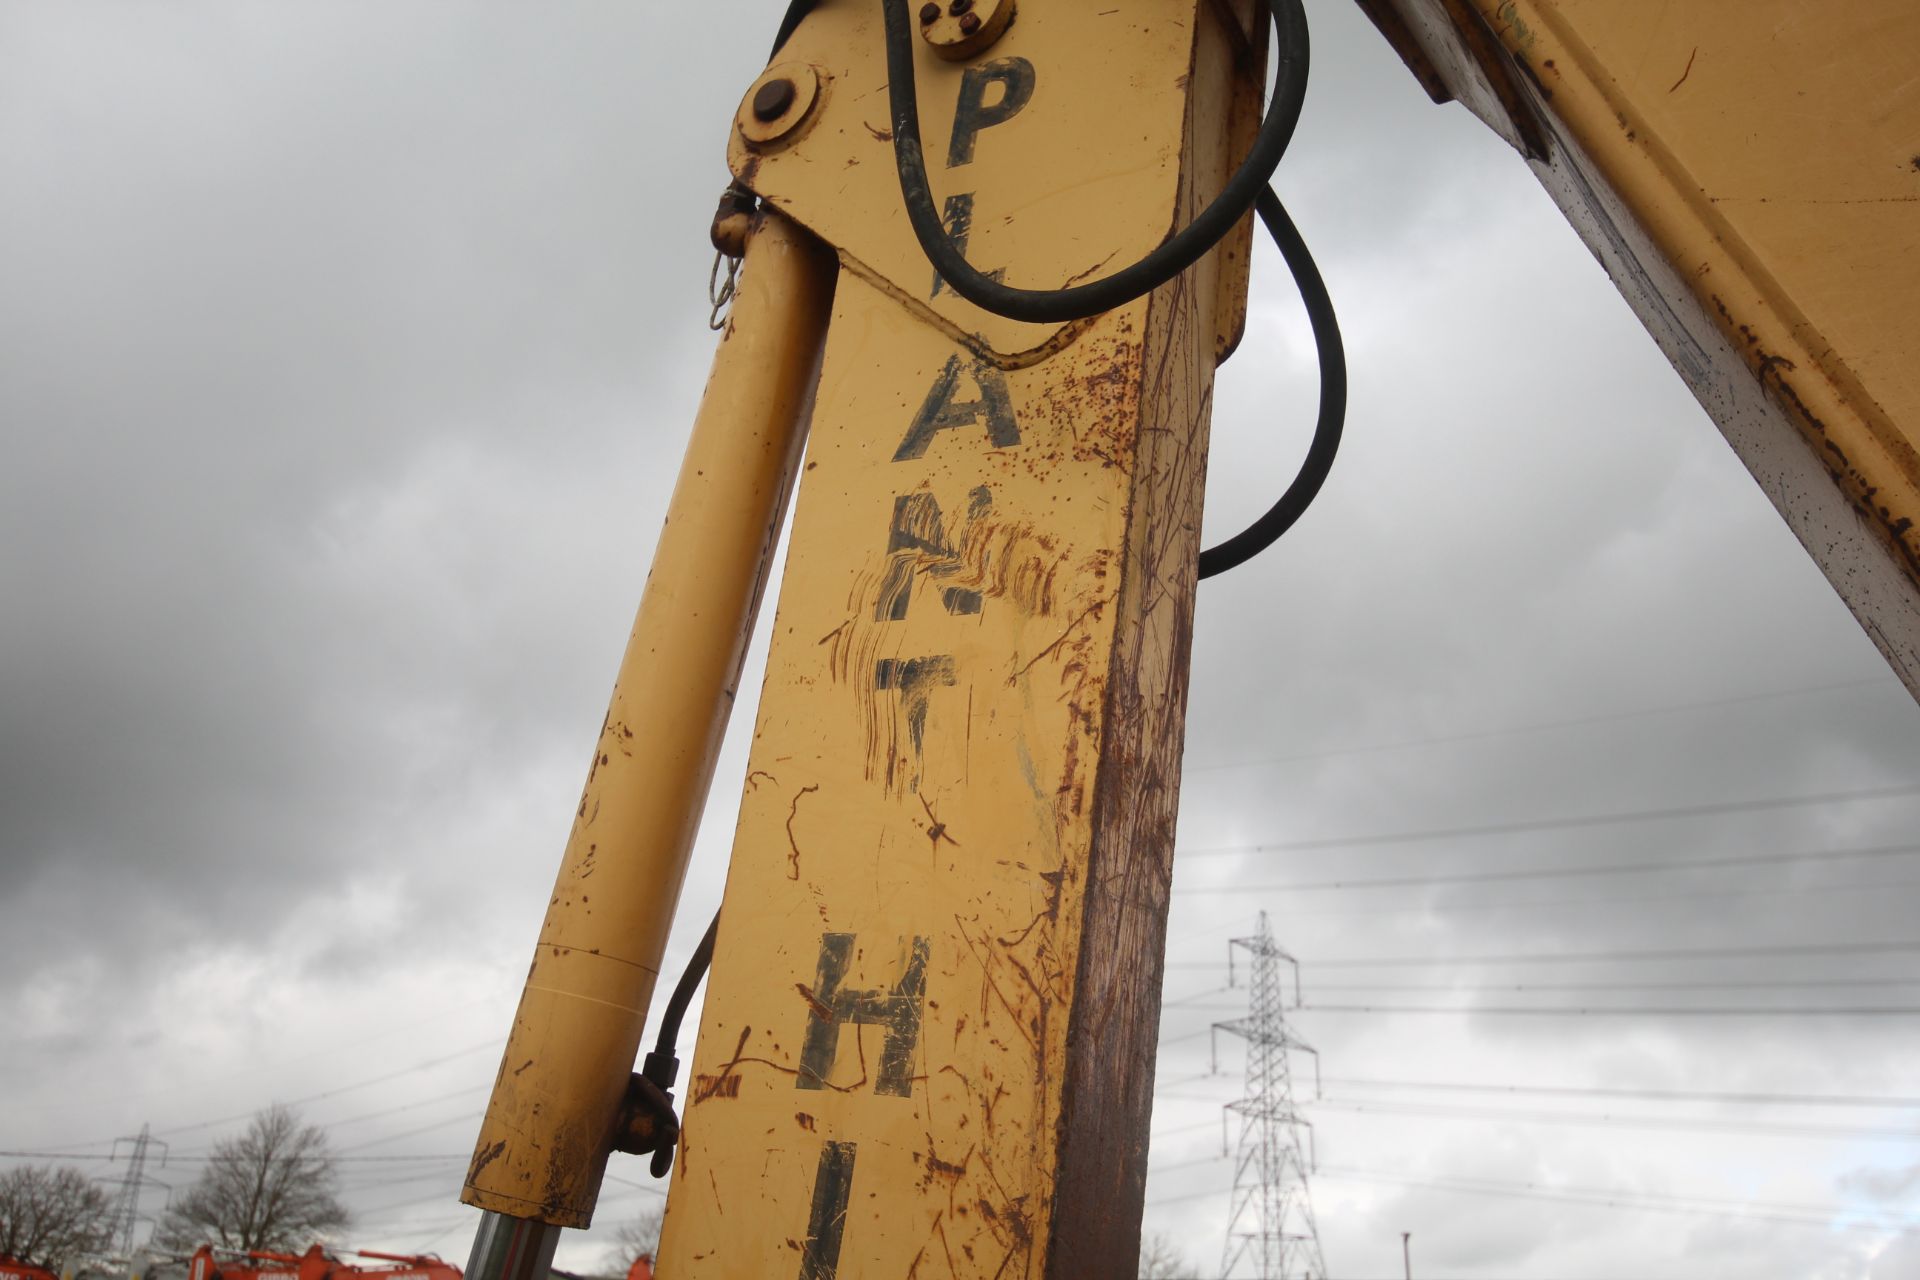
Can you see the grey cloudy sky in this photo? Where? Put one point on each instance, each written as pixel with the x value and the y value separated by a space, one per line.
pixel 345 355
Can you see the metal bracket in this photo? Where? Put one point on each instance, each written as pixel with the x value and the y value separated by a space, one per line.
pixel 647 1123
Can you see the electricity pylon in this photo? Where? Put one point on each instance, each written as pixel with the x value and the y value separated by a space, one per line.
pixel 126 1214
pixel 1271 1233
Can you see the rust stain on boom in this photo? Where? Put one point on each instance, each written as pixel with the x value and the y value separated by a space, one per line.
pixel 934 1001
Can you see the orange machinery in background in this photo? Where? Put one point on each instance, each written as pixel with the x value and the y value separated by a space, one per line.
pixel 315 1264
pixel 12 1268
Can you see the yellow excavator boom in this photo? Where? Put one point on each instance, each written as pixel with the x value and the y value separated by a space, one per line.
pixel 929 1037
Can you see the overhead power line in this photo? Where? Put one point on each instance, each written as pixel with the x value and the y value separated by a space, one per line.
pixel 1565 823
pixel 412 1024
pixel 1185 1128
pixel 630 1190
pixel 1837 1217
pixel 1865 1101
pixel 438 1197
pixel 1878 1102
pixel 1314 914
pixel 335 1092
pixel 650 1188
pixel 1673 1124
pixel 438 1098
pixel 448 1155
pixel 1834 1218
pixel 1509 988
pixel 446 1176
pixel 1583 1011
pixel 1695 953
pixel 1659 867
pixel 1632 1011
pixel 1213 1158
pixel 1586 1011
pixel 1544 726
pixel 464 1117
pixel 173 1159
pixel 439 1232
pixel 1588 957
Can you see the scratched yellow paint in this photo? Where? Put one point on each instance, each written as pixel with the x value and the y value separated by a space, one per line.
pixel 963 838
pixel 544 1143
pixel 1749 172
pixel 1794 125
pixel 1774 145
pixel 940 940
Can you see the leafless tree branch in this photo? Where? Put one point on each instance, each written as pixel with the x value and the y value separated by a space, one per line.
pixel 51 1216
pixel 271 1188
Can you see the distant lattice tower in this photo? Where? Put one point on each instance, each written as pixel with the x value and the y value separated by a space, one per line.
pixel 125 1215
pixel 1271 1232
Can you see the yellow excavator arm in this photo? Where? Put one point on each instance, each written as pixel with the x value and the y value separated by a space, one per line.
pixel 1748 172
pixel 992 257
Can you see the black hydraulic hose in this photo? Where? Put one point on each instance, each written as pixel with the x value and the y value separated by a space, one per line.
pixel 1174 255
pixel 652 1089
pixel 1265 531
pixel 667 1044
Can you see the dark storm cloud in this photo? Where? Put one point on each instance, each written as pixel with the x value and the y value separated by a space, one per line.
pixel 266 281
pixel 345 353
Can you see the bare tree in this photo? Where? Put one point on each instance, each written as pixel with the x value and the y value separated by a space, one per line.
pixel 270 1188
pixel 50 1216
pixel 1161 1259
pixel 637 1237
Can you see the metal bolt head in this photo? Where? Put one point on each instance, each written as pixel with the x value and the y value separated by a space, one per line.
pixel 961 30
pixel 773 100
pixel 779 106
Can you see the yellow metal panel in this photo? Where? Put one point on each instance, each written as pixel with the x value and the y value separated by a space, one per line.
pixel 1790 131
pixel 549 1124
pixel 929 1034
pixel 901 925
pixel 1749 173
pixel 1059 174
